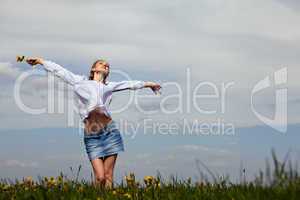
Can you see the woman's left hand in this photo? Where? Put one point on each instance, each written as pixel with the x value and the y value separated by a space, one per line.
pixel 155 87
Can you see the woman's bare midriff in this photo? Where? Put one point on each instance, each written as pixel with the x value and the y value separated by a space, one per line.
pixel 95 121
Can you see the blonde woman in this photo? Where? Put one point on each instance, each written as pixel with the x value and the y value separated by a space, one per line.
pixel 102 139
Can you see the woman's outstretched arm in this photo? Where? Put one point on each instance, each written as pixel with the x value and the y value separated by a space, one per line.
pixel 57 70
pixel 134 85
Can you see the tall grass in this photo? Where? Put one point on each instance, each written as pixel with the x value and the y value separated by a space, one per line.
pixel 279 180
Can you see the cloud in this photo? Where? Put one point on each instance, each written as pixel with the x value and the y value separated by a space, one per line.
pixel 203 148
pixel 18 163
pixel 8 70
pixel 219 41
pixel 291 4
pixel 181 160
pixel 216 34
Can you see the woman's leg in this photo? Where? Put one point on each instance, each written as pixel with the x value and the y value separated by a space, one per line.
pixel 98 168
pixel 109 164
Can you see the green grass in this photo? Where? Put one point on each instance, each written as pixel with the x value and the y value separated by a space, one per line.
pixel 280 180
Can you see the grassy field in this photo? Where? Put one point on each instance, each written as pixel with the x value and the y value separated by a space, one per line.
pixel 282 182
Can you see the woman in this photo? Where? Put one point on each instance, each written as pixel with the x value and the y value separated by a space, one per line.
pixel 102 139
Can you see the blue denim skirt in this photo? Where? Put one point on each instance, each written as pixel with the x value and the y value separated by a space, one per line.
pixel 107 141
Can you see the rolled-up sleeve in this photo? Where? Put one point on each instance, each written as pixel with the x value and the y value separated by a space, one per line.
pixel 123 85
pixel 62 73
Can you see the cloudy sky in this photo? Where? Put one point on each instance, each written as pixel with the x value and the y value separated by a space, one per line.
pixel 179 44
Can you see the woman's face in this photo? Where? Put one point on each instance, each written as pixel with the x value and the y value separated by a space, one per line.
pixel 101 69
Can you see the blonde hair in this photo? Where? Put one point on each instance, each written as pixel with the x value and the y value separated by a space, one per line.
pixel 91 77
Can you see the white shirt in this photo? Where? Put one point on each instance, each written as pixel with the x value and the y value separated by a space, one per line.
pixel 90 93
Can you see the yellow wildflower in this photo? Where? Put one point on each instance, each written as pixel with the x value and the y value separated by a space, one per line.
pixel 200 184
pixel 20 58
pixel 128 195
pixel 59 179
pixel 80 189
pixel 28 181
pixel 6 187
pixel 130 179
pixel 158 185
pixel 50 182
pixel 65 188
pixel 149 180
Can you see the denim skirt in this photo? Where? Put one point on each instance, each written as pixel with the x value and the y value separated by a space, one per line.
pixel 107 141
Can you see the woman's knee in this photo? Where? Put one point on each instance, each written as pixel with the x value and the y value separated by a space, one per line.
pixel 108 174
pixel 100 178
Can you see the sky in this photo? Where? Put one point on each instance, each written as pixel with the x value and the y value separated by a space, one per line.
pixel 219 48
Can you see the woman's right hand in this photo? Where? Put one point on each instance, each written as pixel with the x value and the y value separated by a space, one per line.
pixel 34 60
